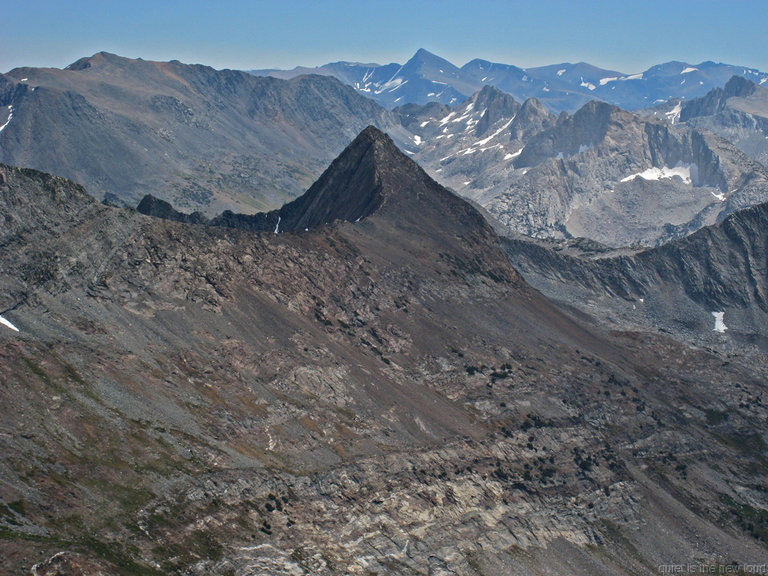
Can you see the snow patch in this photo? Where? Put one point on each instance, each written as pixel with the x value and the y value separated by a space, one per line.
pixel 514 154
pixel 633 77
pixel 10 115
pixel 561 72
pixel 5 322
pixel 393 83
pixel 682 170
pixel 424 123
pixel 23 79
pixel 689 70
pixel 417 139
pixel 587 84
pixel 485 141
pixel 604 81
pixel 674 114
pixel 447 118
pixel 720 197
pixel 719 324
pixel 277 226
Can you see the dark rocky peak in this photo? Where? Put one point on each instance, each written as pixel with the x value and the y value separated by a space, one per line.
pixel 532 118
pixel 715 100
pixel 349 189
pixel 497 105
pixel 739 86
pixel 152 206
pixel 371 176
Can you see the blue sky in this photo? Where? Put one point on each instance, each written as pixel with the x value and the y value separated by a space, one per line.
pixel 623 35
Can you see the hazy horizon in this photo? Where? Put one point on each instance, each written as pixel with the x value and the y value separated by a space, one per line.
pixel 627 37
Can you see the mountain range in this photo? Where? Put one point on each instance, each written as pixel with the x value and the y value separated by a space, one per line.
pixel 373 389
pixel 428 78
pixel 601 173
pixel 208 139
pixel 211 141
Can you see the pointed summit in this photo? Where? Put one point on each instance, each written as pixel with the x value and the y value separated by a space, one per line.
pixel 372 177
pixel 349 189
pixel 498 105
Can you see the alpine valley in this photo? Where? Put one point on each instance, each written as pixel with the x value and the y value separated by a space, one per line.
pixel 402 319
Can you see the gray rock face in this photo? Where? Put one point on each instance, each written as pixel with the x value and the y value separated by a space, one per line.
pixel 737 112
pixel 603 173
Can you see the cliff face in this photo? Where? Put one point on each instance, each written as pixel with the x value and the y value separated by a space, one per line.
pixel 608 175
pixel 737 112
pixel 376 396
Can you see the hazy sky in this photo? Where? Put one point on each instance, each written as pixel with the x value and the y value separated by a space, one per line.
pixel 622 35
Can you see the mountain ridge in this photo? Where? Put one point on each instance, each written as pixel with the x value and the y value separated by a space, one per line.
pixel 200 138
pixel 561 87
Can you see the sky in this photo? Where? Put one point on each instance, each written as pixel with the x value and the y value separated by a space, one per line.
pixel 622 35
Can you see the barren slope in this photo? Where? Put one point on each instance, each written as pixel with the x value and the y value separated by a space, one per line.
pixel 382 396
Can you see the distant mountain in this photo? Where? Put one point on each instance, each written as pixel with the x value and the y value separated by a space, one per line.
pixel 424 78
pixel 429 78
pixel 204 139
pixel 603 173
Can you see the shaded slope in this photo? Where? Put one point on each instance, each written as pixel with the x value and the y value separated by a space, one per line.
pixel 676 286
